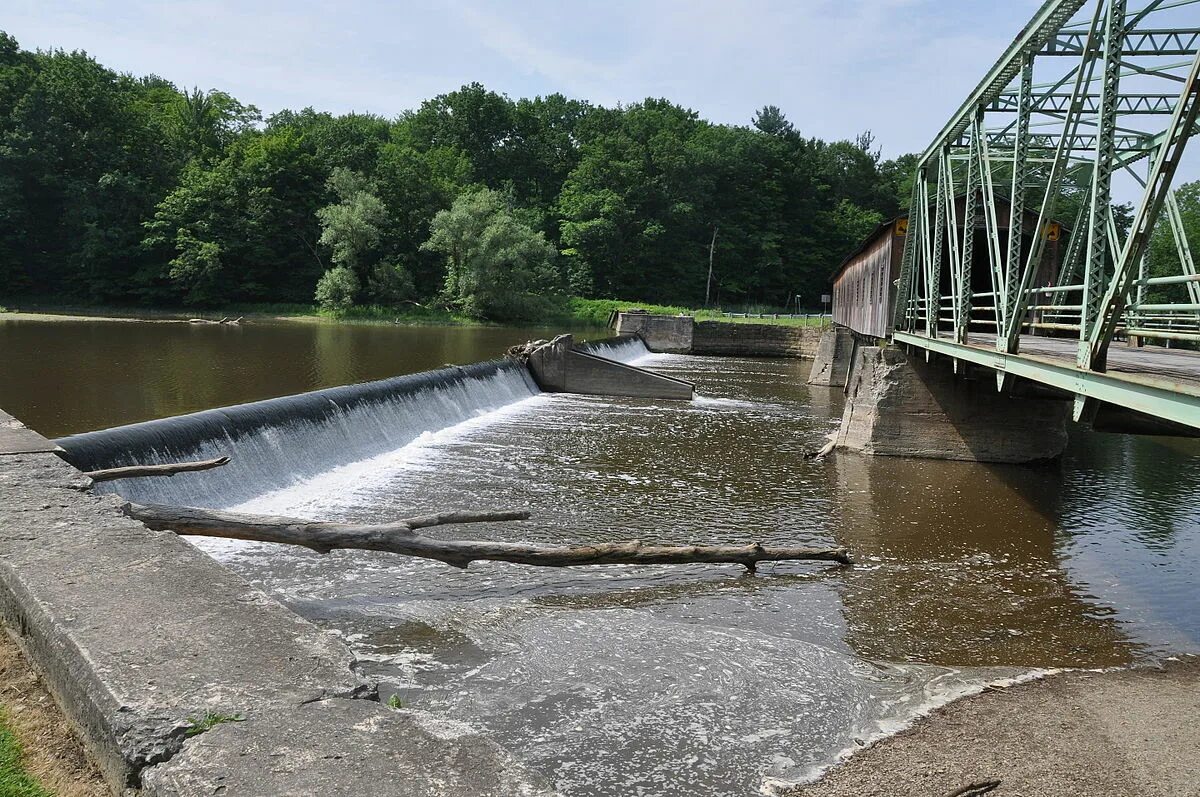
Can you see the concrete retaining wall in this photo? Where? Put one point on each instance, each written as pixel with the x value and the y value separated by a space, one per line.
pixel 685 335
pixel 140 636
pixel 670 334
pixel 559 368
pixel 754 340
pixel 895 407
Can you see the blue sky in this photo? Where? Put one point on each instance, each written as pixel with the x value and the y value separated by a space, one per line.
pixel 897 67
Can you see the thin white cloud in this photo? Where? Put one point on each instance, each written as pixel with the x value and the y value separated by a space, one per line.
pixel 837 67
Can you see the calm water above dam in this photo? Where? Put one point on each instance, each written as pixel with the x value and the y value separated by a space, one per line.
pixel 662 680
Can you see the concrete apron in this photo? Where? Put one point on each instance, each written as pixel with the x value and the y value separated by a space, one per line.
pixel 899 407
pixel 146 642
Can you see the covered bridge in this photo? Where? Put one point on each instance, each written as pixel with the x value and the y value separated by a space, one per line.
pixel 864 285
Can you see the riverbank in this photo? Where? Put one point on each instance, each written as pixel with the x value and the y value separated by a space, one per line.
pixel 39 753
pixel 573 312
pixel 1127 732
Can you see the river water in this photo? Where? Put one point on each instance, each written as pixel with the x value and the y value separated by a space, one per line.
pixel 667 680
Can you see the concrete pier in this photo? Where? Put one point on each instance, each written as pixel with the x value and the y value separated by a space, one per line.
pixel 897 407
pixel 558 367
pixel 835 353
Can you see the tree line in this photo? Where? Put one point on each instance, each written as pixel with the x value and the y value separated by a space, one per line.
pixel 119 189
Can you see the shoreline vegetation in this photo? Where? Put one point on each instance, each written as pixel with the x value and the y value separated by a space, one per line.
pixel 40 755
pixel 573 312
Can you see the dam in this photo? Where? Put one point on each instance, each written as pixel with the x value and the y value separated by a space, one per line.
pixel 678 680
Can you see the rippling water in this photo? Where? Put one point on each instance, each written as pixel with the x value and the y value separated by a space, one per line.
pixel 704 680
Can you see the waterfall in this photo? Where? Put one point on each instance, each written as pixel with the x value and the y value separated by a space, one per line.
pixel 283 441
pixel 624 349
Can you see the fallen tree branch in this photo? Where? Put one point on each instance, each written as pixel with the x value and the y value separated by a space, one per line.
pixel 975 789
pixel 169 469
pixel 401 537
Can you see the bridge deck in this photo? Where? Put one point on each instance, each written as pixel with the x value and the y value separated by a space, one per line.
pixel 1160 382
pixel 1179 366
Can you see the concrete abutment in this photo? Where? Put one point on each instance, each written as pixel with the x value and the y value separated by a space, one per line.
pixel 899 406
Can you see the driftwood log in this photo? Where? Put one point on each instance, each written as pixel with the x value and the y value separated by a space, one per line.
pixel 168 469
pixel 401 537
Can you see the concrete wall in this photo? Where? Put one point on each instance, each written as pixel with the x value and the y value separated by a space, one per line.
pixel 661 333
pixel 835 356
pixel 139 635
pixel 558 368
pixel 685 335
pixel 898 407
pixel 754 340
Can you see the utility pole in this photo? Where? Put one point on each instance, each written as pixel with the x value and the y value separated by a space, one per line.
pixel 712 248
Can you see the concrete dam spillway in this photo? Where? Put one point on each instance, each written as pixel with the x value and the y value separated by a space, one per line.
pixel 283 441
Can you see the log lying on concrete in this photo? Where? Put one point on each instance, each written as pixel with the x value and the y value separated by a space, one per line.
pixel 401 537
pixel 168 469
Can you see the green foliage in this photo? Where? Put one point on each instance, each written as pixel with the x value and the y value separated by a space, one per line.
pixel 395 702
pixel 351 226
pixel 14 780
pixel 123 190
pixel 337 289
pixel 209 721
pixel 1164 256
pixel 496 266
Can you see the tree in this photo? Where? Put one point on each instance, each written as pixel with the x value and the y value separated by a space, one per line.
pixel 337 289
pixel 770 120
pixel 496 267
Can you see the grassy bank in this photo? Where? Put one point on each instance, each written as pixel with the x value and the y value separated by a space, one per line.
pixel 15 781
pixel 571 312
pixel 597 311
pixel 40 755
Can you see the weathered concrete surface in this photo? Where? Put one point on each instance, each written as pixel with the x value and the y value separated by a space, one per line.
pixel 139 635
pixel 558 368
pixel 1131 733
pixel 834 356
pixel 671 334
pixel 340 748
pixel 895 407
pixel 15 438
pixel 720 338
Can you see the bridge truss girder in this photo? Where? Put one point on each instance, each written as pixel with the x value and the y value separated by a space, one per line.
pixel 1089 91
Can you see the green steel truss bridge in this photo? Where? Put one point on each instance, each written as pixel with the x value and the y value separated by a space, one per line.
pixel 1095 100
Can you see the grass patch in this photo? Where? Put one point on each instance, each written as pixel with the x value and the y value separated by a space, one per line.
pixel 14 780
pixel 209 721
pixel 597 311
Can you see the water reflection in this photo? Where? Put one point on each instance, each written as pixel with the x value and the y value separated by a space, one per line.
pixel 66 376
pixel 961 566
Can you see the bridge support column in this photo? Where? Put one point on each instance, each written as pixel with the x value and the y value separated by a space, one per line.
pixel 835 352
pixel 897 406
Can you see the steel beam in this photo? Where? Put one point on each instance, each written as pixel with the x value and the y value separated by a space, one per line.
pixel 1046 22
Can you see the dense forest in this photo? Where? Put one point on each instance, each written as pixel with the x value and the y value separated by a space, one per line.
pixel 117 189
pixel 125 190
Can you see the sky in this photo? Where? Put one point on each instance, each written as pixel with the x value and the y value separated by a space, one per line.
pixel 836 67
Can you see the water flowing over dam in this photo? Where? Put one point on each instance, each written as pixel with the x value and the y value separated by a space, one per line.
pixel 285 440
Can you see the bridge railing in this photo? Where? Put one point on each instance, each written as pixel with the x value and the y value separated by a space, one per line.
pixel 1052 125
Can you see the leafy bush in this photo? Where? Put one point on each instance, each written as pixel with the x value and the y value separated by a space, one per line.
pixel 337 288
